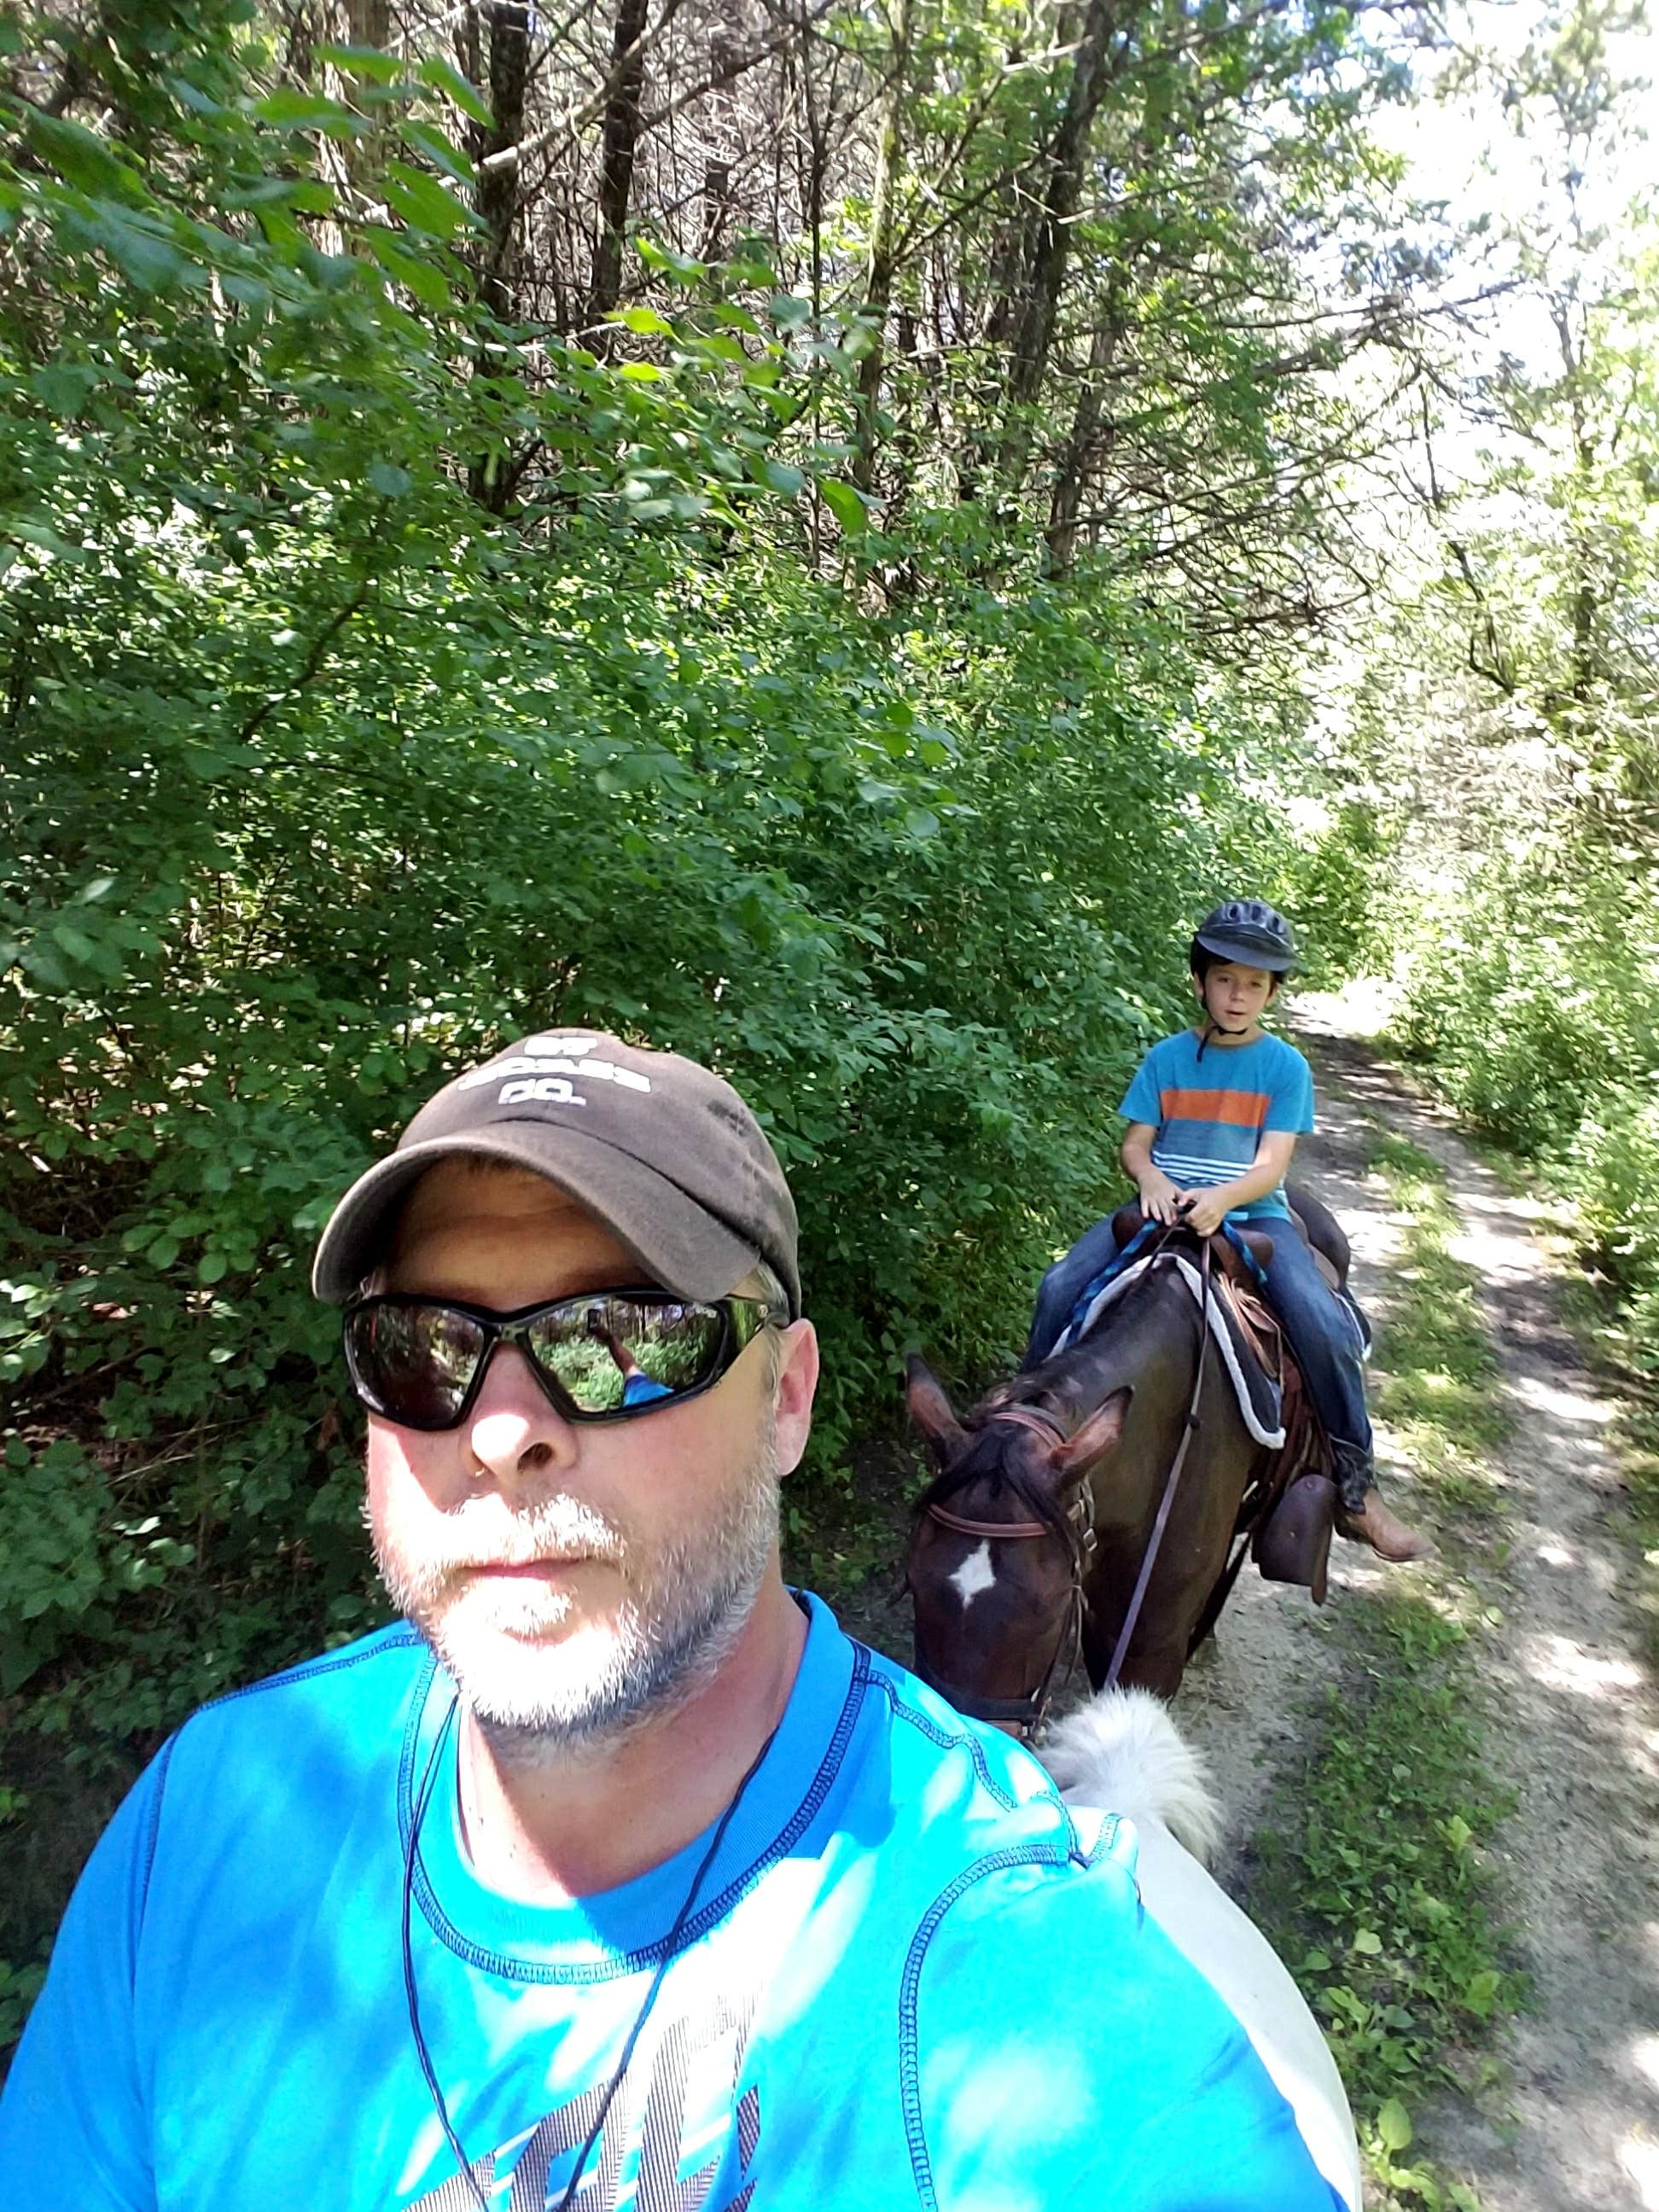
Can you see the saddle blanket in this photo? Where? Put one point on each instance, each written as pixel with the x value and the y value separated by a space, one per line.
pixel 1259 1400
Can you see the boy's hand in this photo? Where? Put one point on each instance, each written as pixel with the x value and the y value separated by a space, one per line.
pixel 1160 1198
pixel 1202 1210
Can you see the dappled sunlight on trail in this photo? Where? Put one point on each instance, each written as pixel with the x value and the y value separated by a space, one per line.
pixel 1575 1722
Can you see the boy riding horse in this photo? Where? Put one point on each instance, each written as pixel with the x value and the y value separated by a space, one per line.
pixel 1214 1113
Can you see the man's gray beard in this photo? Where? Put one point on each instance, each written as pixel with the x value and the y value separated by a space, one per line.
pixel 672 1636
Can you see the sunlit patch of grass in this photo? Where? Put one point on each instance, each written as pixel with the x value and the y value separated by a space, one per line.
pixel 1463 1484
pixel 1437 1375
pixel 1372 1880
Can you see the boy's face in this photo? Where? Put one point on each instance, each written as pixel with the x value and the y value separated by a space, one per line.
pixel 1235 996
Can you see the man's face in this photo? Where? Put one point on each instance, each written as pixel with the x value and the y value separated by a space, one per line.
pixel 571 1576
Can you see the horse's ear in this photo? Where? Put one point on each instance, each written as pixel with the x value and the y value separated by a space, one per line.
pixel 1096 1437
pixel 930 1409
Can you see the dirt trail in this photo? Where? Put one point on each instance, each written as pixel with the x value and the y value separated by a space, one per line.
pixel 1575 1730
pixel 1575 1710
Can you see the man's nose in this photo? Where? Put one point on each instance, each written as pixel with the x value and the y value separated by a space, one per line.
pixel 514 1428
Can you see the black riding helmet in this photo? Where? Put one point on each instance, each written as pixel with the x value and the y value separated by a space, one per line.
pixel 1249 931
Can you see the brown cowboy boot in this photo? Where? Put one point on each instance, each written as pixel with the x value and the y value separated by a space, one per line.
pixel 1361 1514
pixel 1372 1523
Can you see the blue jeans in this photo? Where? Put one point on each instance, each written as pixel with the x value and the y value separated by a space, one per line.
pixel 1322 1334
pixel 1064 1283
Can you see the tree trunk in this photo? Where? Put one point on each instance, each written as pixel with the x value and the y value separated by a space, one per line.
pixel 619 146
pixel 370 23
pixel 883 237
pixel 498 188
pixel 1052 244
pixel 1081 447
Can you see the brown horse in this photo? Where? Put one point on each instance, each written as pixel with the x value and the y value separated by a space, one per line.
pixel 1028 1543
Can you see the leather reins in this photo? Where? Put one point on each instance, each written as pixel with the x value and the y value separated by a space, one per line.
pixel 1028 1713
pixel 1149 1558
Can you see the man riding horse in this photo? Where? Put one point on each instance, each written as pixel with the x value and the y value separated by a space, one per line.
pixel 1214 1113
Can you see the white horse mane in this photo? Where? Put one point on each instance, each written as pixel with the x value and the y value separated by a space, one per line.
pixel 1122 1753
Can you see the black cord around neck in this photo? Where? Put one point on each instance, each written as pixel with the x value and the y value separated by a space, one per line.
pixel 671 1945
pixel 417 1814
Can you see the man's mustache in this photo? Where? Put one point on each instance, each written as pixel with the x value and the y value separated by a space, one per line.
pixel 479 1535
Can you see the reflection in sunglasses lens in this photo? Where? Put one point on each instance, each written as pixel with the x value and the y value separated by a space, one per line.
pixel 415 1362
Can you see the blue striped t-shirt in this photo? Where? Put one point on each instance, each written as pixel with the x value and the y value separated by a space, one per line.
pixel 1209 1114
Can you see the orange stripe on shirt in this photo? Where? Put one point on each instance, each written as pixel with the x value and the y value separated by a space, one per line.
pixel 1242 1109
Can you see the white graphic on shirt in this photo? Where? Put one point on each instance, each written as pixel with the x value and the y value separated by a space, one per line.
pixel 681 2110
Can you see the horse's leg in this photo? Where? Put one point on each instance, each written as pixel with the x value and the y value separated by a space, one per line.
pixel 1157 1656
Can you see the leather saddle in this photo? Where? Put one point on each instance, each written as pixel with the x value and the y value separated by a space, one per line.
pixel 1318 1226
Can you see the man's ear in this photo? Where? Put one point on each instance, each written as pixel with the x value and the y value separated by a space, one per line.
pixel 792 1399
pixel 930 1409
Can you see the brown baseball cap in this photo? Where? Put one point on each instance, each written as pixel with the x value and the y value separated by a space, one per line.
pixel 661 1151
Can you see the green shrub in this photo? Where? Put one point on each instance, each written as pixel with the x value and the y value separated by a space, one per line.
pixel 1531 1005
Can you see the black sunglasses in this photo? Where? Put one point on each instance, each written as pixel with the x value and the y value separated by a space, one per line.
pixel 604 1356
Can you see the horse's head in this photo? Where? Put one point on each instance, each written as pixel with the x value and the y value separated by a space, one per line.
pixel 1002 1537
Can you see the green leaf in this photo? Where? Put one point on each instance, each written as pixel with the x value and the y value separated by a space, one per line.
pixel 247 291
pixel 846 503
pixel 1316 1962
pixel 1367 1942
pixel 193 97
pixel 294 109
pixel 82 158
pixel 1482 1993
pixel 64 385
pixel 1394 2124
pixel 148 261
pixel 440 74
pixel 43 535
pixel 424 203
pixel 75 942
pixel 39 961
pixel 641 372
pixel 682 267
pixel 368 62
pixel 409 269
pixel 645 322
pixel 388 479
pixel 439 150
pixel 780 475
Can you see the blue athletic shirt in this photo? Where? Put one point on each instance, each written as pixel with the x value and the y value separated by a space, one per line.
pixel 1209 1114
pixel 913 1977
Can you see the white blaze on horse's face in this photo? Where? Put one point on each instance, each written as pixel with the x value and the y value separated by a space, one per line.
pixel 974 1575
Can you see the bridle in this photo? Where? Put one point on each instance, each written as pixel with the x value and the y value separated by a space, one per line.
pixel 1077 1532
pixel 1026 1714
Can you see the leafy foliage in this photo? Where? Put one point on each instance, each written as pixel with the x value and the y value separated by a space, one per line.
pixel 1377 1891
pixel 328 767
